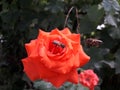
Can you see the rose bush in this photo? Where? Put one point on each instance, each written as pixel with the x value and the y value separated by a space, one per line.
pixel 89 79
pixel 54 56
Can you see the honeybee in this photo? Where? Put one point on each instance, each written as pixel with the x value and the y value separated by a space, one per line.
pixel 58 43
pixel 90 42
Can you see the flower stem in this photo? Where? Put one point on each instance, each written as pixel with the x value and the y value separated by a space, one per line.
pixel 68 14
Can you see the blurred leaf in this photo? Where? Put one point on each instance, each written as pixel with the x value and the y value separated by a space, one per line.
pixel 105 68
pixel 25 3
pixel 116 5
pixel 110 20
pixel 18 84
pixel 95 14
pixel 114 82
pixel 81 87
pixel 86 25
pixel 72 87
pixel 90 21
pixel 9 16
pixel 42 85
pixel 96 54
pixel 110 5
pixel 108 41
pixel 55 6
pixel 117 64
pixel 114 33
pixel 28 15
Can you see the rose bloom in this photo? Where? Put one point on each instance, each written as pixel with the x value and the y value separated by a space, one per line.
pixel 54 56
pixel 89 79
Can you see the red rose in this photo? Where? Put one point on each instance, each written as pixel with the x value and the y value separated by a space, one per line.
pixel 54 56
pixel 89 79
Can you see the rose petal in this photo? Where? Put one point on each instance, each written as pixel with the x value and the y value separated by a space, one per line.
pixel 58 80
pixel 74 37
pixel 77 60
pixel 45 72
pixel 59 66
pixel 42 34
pixel 30 46
pixel 64 67
pixel 30 69
pixel 63 36
pixel 66 31
pixel 73 76
pixel 83 57
pixel 61 78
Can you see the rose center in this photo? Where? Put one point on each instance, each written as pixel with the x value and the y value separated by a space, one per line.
pixel 56 47
pixel 87 79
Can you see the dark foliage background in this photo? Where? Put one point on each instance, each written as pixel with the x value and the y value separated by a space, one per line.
pixel 21 19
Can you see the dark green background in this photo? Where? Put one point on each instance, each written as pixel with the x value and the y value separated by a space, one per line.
pixel 21 19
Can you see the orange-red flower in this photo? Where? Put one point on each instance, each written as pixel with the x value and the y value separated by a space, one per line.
pixel 54 56
pixel 89 79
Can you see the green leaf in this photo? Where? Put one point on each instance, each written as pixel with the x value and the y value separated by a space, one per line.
pixel 114 33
